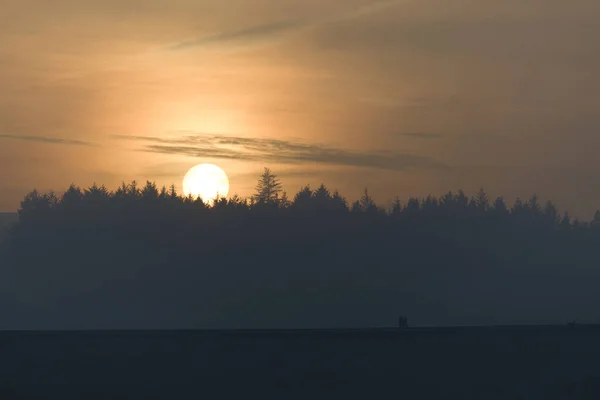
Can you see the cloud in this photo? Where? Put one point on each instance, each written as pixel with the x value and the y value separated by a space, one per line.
pixel 273 30
pixel 278 151
pixel 43 139
pixel 253 33
pixel 367 9
pixel 421 135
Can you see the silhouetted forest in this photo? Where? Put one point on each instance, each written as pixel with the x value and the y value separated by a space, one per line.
pixel 146 257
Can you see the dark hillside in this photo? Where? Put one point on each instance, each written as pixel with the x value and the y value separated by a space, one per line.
pixel 144 258
pixel 6 220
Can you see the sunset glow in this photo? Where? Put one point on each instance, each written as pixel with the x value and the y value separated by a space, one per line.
pixel 394 95
pixel 206 181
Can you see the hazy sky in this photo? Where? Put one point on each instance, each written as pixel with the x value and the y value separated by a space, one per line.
pixel 407 97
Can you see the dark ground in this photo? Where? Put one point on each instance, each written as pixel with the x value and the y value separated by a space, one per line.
pixel 6 219
pixel 446 363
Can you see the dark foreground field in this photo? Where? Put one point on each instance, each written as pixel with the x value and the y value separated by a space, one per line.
pixel 453 363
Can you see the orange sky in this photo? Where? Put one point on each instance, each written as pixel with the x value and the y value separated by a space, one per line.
pixel 406 97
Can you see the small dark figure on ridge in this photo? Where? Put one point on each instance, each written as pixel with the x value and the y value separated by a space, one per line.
pixel 402 322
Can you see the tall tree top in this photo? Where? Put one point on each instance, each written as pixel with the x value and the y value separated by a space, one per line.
pixel 268 188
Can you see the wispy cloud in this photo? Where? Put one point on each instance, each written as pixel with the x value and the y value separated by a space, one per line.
pixel 391 102
pixel 45 139
pixel 420 135
pixel 278 151
pixel 254 33
pixel 274 30
pixel 365 10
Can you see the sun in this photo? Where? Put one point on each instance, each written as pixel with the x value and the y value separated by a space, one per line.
pixel 206 181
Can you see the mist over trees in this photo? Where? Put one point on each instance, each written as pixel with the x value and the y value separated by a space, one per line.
pixel 146 257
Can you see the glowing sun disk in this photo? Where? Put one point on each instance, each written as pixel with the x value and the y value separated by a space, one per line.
pixel 206 181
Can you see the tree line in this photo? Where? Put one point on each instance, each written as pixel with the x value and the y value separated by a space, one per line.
pixel 144 256
pixel 269 195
